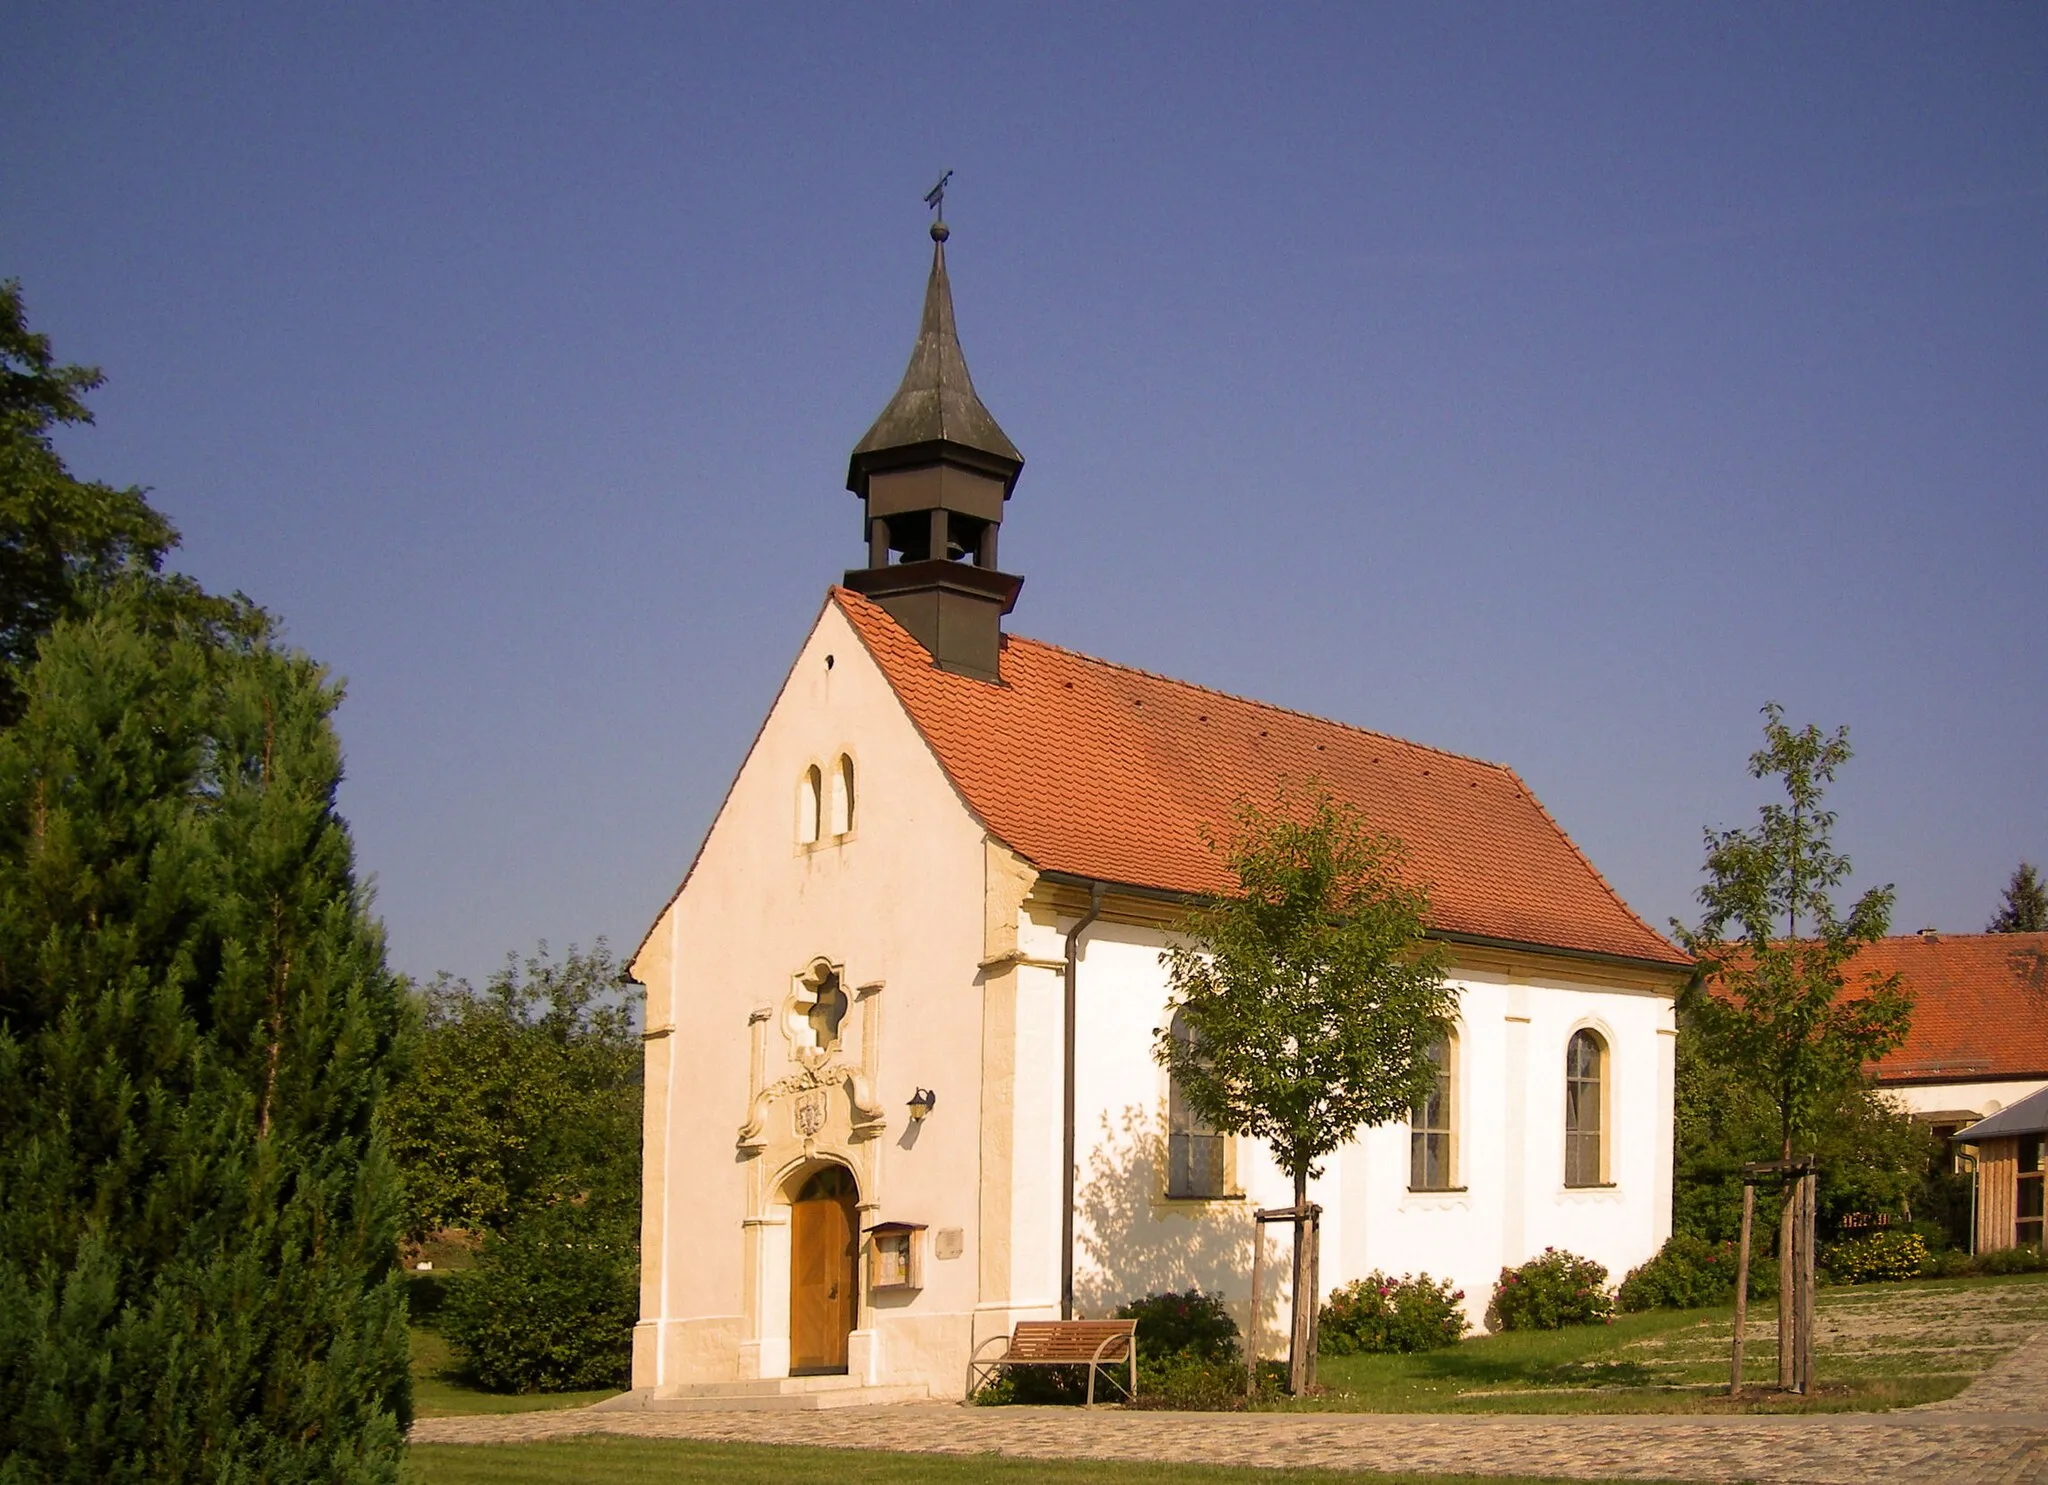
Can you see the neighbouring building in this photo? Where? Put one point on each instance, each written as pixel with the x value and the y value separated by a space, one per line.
pixel 1975 1064
pixel 933 902
pixel 2010 1154
pixel 1979 1041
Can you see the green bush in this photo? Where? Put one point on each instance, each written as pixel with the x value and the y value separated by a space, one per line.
pixel 550 1305
pixel 1381 1313
pixel 1550 1291
pixel 1189 1356
pixel 1187 1385
pixel 1877 1258
pixel 2009 1261
pixel 1173 1327
pixel 1690 1272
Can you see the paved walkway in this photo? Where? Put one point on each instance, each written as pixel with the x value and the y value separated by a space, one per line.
pixel 1994 1433
pixel 2018 1384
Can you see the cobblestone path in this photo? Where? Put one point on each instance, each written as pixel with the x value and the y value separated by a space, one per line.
pixel 1965 1448
pixel 2018 1384
pixel 1993 1433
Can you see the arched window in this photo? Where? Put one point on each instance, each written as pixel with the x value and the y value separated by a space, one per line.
pixel 1431 1149
pixel 809 798
pixel 1585 1078
pixel 842 796
pixel 1194 1151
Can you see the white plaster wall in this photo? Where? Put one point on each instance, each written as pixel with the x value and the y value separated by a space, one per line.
pixel 899 901
pixel 1510 1124
pixel 1985 1099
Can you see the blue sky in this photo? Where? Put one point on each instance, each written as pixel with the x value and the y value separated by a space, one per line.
pixel 1555 384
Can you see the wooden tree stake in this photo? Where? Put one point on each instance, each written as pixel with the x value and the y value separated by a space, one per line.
pixel 1741 1288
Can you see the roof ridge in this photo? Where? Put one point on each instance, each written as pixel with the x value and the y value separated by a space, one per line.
pixel 1253 701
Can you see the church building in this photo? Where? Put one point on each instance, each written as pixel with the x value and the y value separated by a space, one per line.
pixel 900 1090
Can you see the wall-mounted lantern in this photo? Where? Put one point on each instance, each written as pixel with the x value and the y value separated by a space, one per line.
pixel 921 1104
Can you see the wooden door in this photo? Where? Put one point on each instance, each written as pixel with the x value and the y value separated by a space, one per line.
pixel 824 1258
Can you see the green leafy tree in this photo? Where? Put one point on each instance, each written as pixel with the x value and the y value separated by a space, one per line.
pixel 1310 998
pixel 1771 1000
pixel 519 1123
pixel 1873 1157
pixel 2025 909
pixel 198 1221
pixel 521 1095
pixel 551 1303
pixel 1773 952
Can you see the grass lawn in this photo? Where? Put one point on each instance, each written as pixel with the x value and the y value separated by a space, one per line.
pixel 1875 1346
pixel 439 1390
pixel 615 1461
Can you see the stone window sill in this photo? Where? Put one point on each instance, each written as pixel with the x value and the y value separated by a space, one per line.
pixel 1171 1202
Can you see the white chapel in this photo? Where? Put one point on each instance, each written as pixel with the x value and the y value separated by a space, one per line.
pixel 900 1091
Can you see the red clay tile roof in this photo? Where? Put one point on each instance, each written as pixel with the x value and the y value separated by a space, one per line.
pixel 1980 1008
pixel 1109 773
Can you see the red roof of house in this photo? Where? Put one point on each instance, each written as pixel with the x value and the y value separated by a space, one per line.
pixel 1109 773
pixel 1980 1009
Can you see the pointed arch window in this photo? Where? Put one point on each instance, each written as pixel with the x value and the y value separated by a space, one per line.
pixel 810 798
pixel 1194 1150
pixel 1432 1130
pixel 842 796
pixel 1585 1123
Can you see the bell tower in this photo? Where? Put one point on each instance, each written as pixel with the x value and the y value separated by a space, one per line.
pixel 933 474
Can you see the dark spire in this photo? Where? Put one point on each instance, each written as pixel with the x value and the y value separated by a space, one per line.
pixel 934 475
pixel 935 412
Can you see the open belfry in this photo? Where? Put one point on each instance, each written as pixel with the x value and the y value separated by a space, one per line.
pixel 900 1087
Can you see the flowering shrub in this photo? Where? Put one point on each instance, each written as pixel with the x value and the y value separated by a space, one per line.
pixel 1550 1291
pixel 1192 1326
pixel 1881 1256
pixel 1688 1272
pixel 1380 1313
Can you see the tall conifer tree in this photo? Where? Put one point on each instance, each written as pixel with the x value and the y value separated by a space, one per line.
pixel 197 1219
pixel 2025 909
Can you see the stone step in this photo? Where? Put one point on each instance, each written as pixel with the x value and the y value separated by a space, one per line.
pixel 767 1395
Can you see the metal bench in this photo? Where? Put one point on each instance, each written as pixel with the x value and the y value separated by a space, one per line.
pixel 1089 1343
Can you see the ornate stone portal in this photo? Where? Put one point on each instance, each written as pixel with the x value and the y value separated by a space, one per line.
pixel 812 1021
pixel 812 1105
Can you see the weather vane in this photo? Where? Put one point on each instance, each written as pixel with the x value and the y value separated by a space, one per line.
pixel 935 198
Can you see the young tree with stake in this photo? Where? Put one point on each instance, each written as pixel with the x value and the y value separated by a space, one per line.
pixel 1772 951
pixel 1310 1000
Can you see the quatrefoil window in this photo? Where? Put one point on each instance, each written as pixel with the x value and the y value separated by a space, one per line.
pixel 817 1009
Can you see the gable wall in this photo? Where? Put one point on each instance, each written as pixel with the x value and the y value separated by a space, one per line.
pixel 897 903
